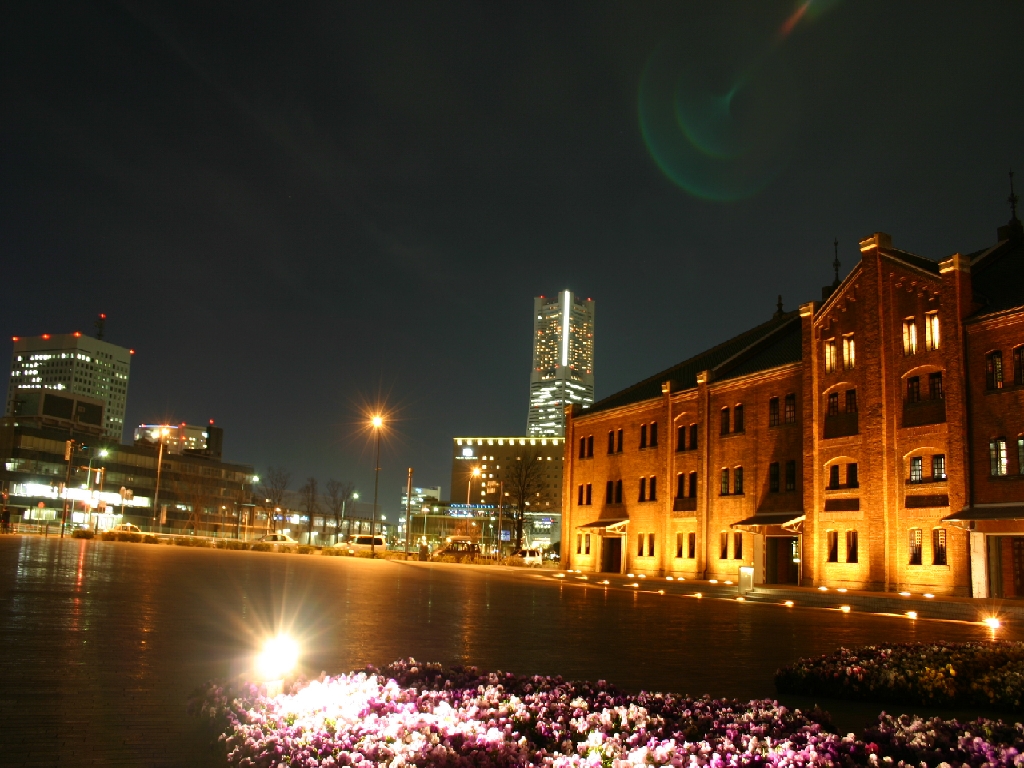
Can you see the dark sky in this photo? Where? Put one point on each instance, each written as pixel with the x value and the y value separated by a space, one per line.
pixel 292 209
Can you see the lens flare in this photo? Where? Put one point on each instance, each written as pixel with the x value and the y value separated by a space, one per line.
pixel 279 656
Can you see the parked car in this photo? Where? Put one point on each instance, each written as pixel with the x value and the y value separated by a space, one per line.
pixel 126 528
pixel 458 547
pixel 530 556
pixel 278 538
pixel 362 542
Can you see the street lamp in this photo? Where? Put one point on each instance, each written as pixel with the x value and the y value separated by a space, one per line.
pixel 102 453
pixel 377 422
pixel 164 432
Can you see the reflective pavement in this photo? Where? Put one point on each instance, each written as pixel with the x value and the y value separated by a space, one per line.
pixel 102 642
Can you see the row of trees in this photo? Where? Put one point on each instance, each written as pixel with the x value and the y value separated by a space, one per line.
pixel 522 482
pixel 330 502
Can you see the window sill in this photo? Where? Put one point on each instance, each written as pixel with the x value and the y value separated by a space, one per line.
pixel 647 501
pixel 929 482
pixel 1005 388
pixel 727 495
pixel 841 488
pixel 648 447
pixel 732 434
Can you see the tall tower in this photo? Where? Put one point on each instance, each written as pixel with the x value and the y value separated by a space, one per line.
pixel 74 364
pixel 563 361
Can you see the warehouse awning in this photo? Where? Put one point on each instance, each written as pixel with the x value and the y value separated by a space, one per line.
pixel 981 512
pixel 764 519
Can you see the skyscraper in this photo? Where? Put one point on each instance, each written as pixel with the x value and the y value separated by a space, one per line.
pixel 74 364
pixel 563 361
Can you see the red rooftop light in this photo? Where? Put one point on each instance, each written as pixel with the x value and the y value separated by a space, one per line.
pixel 46 335
pixel 14 338
pixel 77 334
pixel 131 351
pixel 211 422
pixel 103 316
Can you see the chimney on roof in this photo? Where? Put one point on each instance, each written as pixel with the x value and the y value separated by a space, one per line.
pixel 1013 230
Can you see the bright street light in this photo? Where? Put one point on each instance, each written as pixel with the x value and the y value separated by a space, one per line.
pixel 377 422
pixel 279 656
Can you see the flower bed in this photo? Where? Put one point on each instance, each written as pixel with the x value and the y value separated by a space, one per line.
pixel 948 674
pixel 423 715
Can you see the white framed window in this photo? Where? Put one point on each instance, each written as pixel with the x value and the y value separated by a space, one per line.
pixel 910 336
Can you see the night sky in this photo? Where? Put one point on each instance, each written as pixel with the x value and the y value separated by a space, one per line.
pixel 291 210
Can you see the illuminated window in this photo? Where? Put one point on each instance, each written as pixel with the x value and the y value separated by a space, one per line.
pixel 910 336
pixel 915 545
pixel 935 386
pixel 939 467
pixel 931 330
pixel 849 352
pixel 832 546
pixel 1020 455
pixel 938 546
pixel 773 477
pixel 916 469
pixel 773 412
pixel 997 456
pixel 790 475
pixel 830 355
pixel 994 370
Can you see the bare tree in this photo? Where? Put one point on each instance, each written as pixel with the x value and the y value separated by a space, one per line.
pixel 338 493
pixel 522 482
pixel 275 483
pixel 199 497
pixel 310 503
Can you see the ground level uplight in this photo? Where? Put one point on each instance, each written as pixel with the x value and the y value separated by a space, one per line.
pixel 911 614
pixel 992 622
pixel 844 608
pixel 788 603
pixel 279 656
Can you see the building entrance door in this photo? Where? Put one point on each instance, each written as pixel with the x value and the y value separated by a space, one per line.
pixel 1006 566
pixel 611 554
pixel 782 560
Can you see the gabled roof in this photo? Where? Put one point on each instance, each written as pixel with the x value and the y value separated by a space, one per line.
pixel 997 274
pixel 765 346
pixel 921 262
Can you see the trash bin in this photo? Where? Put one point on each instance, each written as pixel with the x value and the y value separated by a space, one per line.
pixel 424 553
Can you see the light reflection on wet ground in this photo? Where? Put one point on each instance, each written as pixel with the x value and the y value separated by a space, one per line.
pixel 102 642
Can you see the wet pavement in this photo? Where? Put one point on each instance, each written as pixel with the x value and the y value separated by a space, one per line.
pixel 102 642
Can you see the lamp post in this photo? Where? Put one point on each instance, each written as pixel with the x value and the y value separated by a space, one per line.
pixel 164 431
pixel 102 453
pixel 377 422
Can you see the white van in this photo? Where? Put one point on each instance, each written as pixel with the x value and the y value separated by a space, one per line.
pixel 363 542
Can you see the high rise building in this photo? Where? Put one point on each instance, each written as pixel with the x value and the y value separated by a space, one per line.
pixel 73 364
pixel 563 361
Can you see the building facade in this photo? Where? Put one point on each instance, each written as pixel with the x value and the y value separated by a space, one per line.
pixel 872 440
pixel 485 467
pixel 71 364
pixel 563 361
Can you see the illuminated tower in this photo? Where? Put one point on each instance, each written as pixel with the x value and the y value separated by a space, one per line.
pixel 563 361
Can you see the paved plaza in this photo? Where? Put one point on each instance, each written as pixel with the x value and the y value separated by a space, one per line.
pixel 102 642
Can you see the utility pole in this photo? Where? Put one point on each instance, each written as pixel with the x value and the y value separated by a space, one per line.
pixel 69 457
pixel 408 505
pixel 159 463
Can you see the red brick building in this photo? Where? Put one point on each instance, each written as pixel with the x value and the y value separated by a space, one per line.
pixel 872 440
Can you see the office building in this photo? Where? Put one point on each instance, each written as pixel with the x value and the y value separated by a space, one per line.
pixel 563 361
pixel 872 440
pixel 75 365
pixel 183 438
